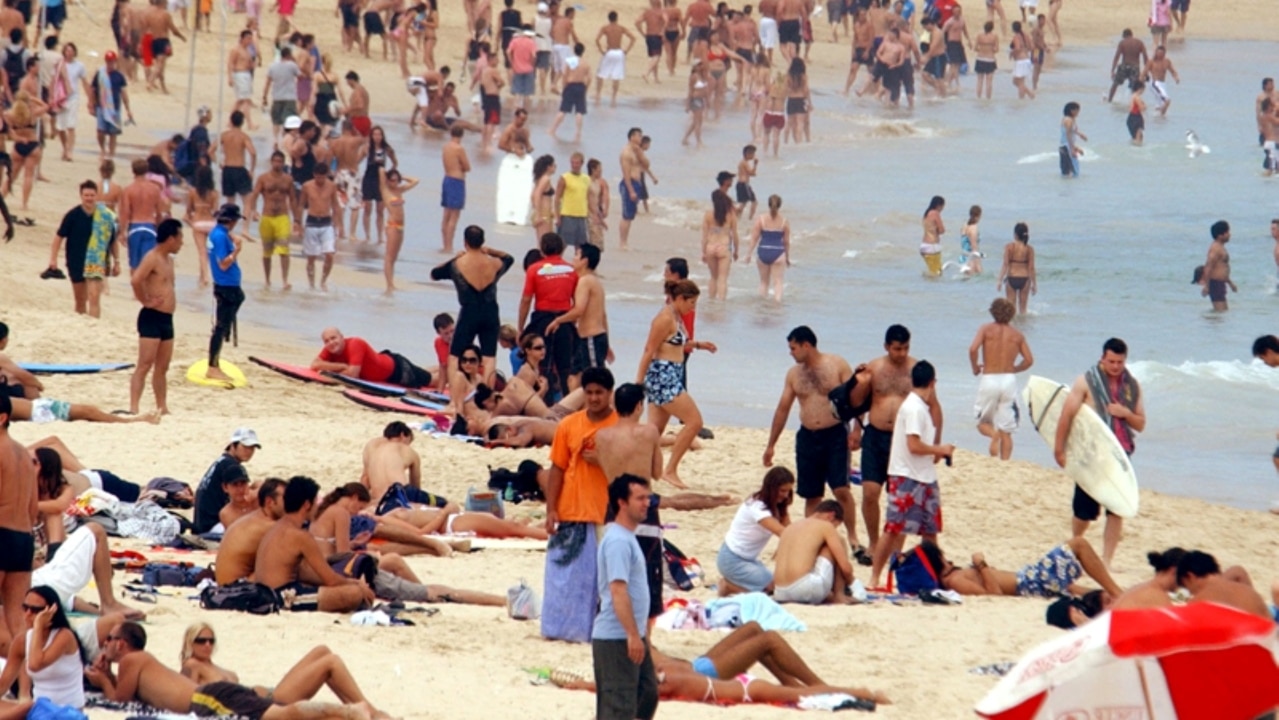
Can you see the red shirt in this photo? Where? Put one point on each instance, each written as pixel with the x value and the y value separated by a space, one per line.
pixel 374 366
pixel 551 283
pixel 442 352
pixel 689 319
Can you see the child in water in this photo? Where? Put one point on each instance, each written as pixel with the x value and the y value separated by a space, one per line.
pixel 970 243
pixel 1136 113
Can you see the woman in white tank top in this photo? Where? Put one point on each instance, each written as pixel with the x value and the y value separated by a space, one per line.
pixel 50 651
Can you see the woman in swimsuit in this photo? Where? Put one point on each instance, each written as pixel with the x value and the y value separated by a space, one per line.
pixel 718 57
pixel 930 248
pixel 429 27
pixel 450 521
pixel 380 154
pixel 26 146
pixel 201 202
pixel 719 241
pixel 674 33
pixel 342 523
pixel 533 353
pixel 1018 271
pixel 760 81
pixel 474 272
pixel 400 35
pixel 661 372
pixel 683 684
pixel 394 186
pixel 543 198
pixel 699 83
pixel 326 93
pixel 799 101
pixel 771 235
pixel 970 243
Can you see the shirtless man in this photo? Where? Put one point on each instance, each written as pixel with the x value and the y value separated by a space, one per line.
pixel 744 35
pixel 1199 573
pixel 1048 577
pixel 453 188
pixel 1157 72
pixel 153 287
pixel 349 149
pixel 237 175
pixel 1268 123
pixel 613 64
pixel 319 200
pixel 279 204
pixel 885 382
pixel 239 67
pixel 634 165
pixel 428 85
pixel 577 78
pixel 515 138
pixel 563 40
pixel 290 562
pixel 955 32
pixel 1125 67
pixel 18 514
pixel 1267 93
pixel 821 445
pixel 768 33
pixel 159 23
pixel 591 348
pixel 491 84
pixel 790 15
pixel 1216 269
pixel 812 559
pixel 999 345
pixel 141 209
pixel 357 105
pixel 651 24
pixel 239 546
pixel 140 676
pixel 434 115
pixel 890 64
pixel 390 459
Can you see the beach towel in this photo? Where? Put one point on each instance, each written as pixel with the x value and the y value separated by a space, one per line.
pixel 58 91
pixel 740 609
pixel 108 110
pixel 571 599
pixel 1129 394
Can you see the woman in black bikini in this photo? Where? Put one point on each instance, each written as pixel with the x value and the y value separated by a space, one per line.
pixel 380 154
pixel 22 128
pixel 1018 271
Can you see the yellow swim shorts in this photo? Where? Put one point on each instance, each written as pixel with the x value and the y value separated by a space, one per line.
pixel 931 260
pixel 276 230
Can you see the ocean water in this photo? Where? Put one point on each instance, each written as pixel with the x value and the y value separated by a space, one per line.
pixel 1115 250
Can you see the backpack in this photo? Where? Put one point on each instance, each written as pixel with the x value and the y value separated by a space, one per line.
pixel 914 573
pixel 15 67
pixel 242 595
pixel 682 572
pixel 517 485
pixel 841 401
pixel 177 574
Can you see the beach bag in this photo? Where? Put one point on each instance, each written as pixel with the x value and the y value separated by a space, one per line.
pixel 682 572
pixel 169 493
pixel 46 709
pixel 157 574
pixel 914 574
pixel 484 501
pixel 357 566
pixel 517 485
pixel 394 499
pixel 242 595
pixel 841 405
pixel 522 602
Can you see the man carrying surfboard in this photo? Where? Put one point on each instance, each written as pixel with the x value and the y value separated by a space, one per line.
pixel 999 345
pixel 1113 392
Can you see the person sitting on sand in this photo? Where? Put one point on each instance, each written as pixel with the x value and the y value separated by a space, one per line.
pixel 1157 591
pixel 760 517
pixel 290 562
pixel 812 564
pixel 212 494
pixel 1052 575
pixel 140 676
pixel 44 410
pixel 342 525
pixel 15 381
pixel 241 500
pixel 49 654
pixel 354 357
pixel 1199 573
pixel 389 460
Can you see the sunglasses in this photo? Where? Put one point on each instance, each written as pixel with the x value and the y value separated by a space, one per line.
pixel 469 360
pixel 537 347
pixel 33 608
pixel 204 641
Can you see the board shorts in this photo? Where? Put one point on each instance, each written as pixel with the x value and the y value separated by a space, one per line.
pixel 877 445
pixel 745 193
pixel 914 508
pixel 318 237
pixel 985 67
pixel 1084 506
pixel 348 189
pixel 524 84
pixel 653 44
pixel 747 573
pixel 161 47
pixel 45 410
pixel 155 325
pixel 227 699
pixel 1125 73
pixel 236 181
pixel 363 124
pixel 937 67
pixel 1217 290
pixel 17 548
pixel 491 108
pixel 1023 68
pixel 452 193
pixel 811 589
pixel 275 230
pixel 630 207
pixel 774 120
pixel 821 459
pixel 955 54
pixel 1160 89
pixel 589 352
pixel 796 106
pixel 861 56
pixel 373 24
pixel 834 11
pixel 574 230
pixel 997 402
pixel 559 57
pixel 612 65
pixel 243 80
pixel 298 597
pixel 573 99
pixel 281 110
pixel 141 240
pixel 1069 163
pixel 789 32
pixel 768 33
pixel 1179 6
pixel 542 60
pixel 1050 575
pixel 664 381
pixel 1136 123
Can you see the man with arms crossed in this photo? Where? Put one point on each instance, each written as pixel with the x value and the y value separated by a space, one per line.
pixel 18 513
pixel 591 347
pixel 153 287
pixel 1114 393
pixel 999 345
pixel 278 206
pixel 1216 270
pixel 821 444
pixel 808 554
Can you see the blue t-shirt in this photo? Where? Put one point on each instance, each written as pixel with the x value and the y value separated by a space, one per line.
pixel 908 9
pixel 220 247
pixel 619 558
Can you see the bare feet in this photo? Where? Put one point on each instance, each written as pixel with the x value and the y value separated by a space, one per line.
pixel 215 373
pixel 130 613
pixel 462 546
pixel 672 477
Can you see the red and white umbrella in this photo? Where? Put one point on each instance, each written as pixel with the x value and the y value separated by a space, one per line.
pixel 1201 661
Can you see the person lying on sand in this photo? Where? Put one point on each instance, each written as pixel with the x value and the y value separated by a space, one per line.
pixel 342 523
pixel 81 478
pixel 140 676
pixel 436 520
pixel 678 683
pixel 1049 576
pixel 390 459
pixel 739 651
pixel 43 410
pixel 812 559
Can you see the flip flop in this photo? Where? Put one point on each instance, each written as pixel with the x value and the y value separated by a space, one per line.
pixel 53 273
pixel 862 556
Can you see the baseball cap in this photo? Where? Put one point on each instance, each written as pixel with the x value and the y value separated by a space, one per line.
pixel 110 56
pixel 543 7
pixel 292 122
pixel 229 211
pixel 245 436
pixel 724 175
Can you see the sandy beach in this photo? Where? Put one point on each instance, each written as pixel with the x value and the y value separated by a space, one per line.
pixel 468 662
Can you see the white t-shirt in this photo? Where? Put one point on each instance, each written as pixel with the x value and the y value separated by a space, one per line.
pixel 746 538
pixel 912 419
pixel 542 26
pixel 75 73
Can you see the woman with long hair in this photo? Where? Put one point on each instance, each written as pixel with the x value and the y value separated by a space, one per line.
pixel 770 236
pixel 49 651
pixel 763 515
pixel 201 203
pixel 719 242
pixel 381 156
pixel 340 525
pixel 761 79
pixel 22 117
pixel 53 495
pixel 430 26
pixel 718 59
pixel 532 352
pixel 327 92
pixel 1017 275
pixel 930 247
pixel 699 89
pixel 394 186
pixel 799 101
pixel 661 372
pixel 543 198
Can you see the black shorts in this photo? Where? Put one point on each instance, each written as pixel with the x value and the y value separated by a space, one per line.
pixel 789 32
pixel 955 54
pixel 748 56
pixel 654 45
pixel 227 301
pixel 573 100
pixel 1085 507
pixel 55 15
pixel 75 260
pixel 1135 123
pixel 373 24
pixel 155 325
pixel 877 445
pixel 796 106
pixel 542 61
pixel 236 181
pixel 985 67
pixel 406 373
pixel 226 698
pixel 821 459
pixel 1217 290
pixel 589 352
pixel 491 107
pixel 160 47
pixel 671 36
pixel 861 56
pixel 878 70
pixel 745 193
pixel 298 597
pixel 698 33
pixel 350 16
pixel 17 549
pixel 651 549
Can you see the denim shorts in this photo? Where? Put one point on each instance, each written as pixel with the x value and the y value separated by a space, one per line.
pixel 748 574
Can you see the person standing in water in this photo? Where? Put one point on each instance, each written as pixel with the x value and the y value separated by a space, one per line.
pixel 1017 273
pixel 394 187
pixel 770 234
pixel 930 248
pixel 1069 150
pixel 999 344
pixel 1216 269
pixel 719 239
pixel 1137 114
pixel 970 243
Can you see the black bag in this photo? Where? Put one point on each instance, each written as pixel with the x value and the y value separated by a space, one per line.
pixel 175 574
pixel 517 485
pixel 242 595
pixel 356 566
pixel 841 403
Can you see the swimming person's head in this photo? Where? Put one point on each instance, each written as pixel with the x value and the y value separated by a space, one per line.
pixel 1266 348
pixel 628 399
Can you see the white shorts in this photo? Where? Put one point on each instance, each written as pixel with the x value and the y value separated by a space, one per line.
pixel 71 568
pixel 612 65
pixel 1160 90
pixel 1023 68
pixel 318 241
pixel 349 188
pixel 243 84
pixel 1029 3
pixel 813 588
pixel 87 631
pixel 66 119
pixel 997 401
pixel 423 96
pixel 176 5
pixel 768 33
pixel 559 57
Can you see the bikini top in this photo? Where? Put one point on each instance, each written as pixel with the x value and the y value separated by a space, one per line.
pixel 680 338
pixel 397 202
pixel 716 56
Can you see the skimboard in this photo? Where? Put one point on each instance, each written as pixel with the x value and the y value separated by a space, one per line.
pixel 297 372
pixel 1094 458
pixel 368 386
pixel 57 369
pixel 195 374
pixel 432 395
pixel 514 186
pixel 387 404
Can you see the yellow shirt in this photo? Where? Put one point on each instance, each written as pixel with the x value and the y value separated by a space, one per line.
pixel 573 204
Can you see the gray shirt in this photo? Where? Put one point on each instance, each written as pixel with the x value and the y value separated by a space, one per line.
pixel 284 80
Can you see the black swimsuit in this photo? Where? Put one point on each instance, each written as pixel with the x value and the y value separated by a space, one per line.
pixel 479 316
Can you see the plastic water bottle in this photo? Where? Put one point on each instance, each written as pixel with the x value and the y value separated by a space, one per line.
pixel 509 493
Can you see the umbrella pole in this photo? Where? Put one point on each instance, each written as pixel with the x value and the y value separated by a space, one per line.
pixel 1145 691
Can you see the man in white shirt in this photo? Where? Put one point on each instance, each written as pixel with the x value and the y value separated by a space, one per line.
pixel 914 502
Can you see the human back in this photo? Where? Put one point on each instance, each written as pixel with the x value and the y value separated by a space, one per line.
pixel 798 548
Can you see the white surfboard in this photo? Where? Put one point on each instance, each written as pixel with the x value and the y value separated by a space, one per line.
pixel 514 186
pixel 1094 458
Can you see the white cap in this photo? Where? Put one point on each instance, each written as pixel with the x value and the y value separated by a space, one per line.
pixel 292 122
pixel 529 33
pixel 246 437
pixel 543 8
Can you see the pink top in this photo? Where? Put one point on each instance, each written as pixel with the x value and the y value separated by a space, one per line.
pixel 1160 12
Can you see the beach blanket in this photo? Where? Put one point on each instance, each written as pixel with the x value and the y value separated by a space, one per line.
pixel 738 610
pixel 1129 393
pixel 100 237
pixel 132 708
pixel 568 611
pixel 108 110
